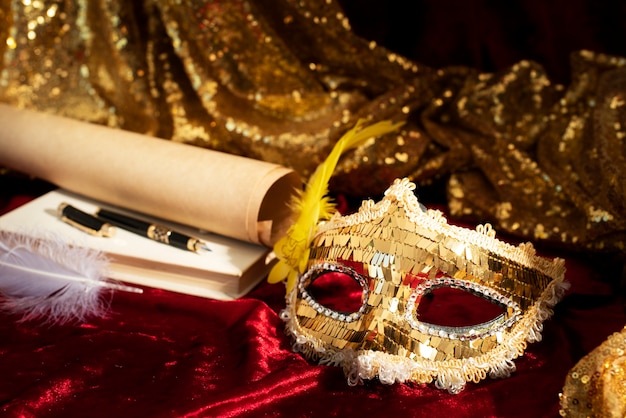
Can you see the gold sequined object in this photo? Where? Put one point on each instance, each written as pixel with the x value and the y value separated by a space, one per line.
pixel 282 82
pixel 398 253
pixel 596 385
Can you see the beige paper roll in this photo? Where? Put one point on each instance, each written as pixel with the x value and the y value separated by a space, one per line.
pixel 230 195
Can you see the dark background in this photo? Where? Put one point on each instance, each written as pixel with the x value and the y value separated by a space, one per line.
pixel 492 34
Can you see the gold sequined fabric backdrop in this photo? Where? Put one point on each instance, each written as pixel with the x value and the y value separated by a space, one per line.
pixel 281 80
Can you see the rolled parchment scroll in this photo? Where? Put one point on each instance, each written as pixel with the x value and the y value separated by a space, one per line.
pixel 230 195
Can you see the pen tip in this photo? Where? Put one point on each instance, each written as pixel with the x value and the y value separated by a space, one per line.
pixel 201 248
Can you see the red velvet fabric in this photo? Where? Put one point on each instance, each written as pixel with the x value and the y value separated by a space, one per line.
pixel 163 354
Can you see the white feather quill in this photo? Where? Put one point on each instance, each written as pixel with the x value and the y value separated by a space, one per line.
pixel 50 280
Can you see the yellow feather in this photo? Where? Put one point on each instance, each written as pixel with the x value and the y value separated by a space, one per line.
pixel 313 206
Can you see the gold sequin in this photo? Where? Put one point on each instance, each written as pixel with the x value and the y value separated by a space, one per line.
pixel 596 386
pixel 537 159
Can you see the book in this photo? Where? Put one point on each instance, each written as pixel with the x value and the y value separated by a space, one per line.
pixel 230 270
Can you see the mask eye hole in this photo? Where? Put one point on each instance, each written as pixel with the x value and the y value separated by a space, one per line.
pixel 337 291
pixel 459 309
pixel 453 307
pixel 334 290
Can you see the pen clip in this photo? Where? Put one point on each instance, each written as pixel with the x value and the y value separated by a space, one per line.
pixel 105 229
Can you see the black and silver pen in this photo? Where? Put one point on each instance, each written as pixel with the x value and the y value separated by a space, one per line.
pixel 84 221
pixel 155 232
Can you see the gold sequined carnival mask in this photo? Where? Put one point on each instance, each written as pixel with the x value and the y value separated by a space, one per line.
pixel 358 288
